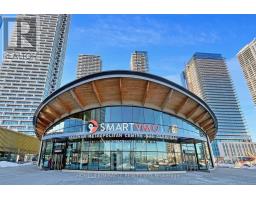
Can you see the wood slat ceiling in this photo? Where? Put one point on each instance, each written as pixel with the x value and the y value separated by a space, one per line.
pixel 124 91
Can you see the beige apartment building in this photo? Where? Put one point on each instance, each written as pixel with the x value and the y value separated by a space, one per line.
pixel 247 60
pixel 139 61
pixel 88 64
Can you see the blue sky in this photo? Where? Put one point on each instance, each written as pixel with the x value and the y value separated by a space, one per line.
pixel 170 41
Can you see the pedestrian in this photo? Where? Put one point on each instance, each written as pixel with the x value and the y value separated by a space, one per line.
pixel 50 163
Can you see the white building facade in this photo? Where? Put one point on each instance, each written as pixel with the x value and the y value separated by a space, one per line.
pixel 247 59
pixel 28 76
pixel 207 76
pixel 234 151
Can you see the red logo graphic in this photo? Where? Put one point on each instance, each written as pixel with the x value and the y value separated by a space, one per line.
pixel 93 126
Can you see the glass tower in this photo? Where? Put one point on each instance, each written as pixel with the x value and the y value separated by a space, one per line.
pixel 26 80
pixel 207 76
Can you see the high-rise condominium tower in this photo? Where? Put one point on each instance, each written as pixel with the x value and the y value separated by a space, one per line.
pixel 26 80
pixel 88 64
pixel 247 59
pixel 139 61
pixel 207 76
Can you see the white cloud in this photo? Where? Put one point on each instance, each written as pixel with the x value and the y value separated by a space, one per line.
pixel 123 30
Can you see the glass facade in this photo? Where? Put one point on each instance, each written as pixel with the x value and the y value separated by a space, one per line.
pixel 190 151
pixel 78 122
pixel 125 155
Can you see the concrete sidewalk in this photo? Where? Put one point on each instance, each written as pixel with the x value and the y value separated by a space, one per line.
pixel 32 175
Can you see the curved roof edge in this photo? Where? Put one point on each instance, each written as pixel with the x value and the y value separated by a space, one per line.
pixel 117 73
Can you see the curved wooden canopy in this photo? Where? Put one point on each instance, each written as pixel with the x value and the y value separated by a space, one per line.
pixel 124 88
pixel 16 142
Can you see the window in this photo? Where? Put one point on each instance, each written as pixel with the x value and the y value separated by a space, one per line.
pixel 158 117
pixel 127 114
pixel 149 116
pixel 138 115
pixel 115 114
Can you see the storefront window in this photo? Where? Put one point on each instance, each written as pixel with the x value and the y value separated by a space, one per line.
pixel 93 160
pixel 189 152
pixel 162 161
pixel 84 160
pixel 161 146
pixel 105 145
pixel 139 155
pixel 47 155
pixel 104 160
pixel 116 145
pixel 127 145
pixel 85 145
pixel 151 146
pixel 140 145
pixel 116 160
pixel 141 161
pixel 152 161
pixel 94 146
pixel 128 161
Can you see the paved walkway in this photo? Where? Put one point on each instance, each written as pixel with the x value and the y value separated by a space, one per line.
pixel 31 175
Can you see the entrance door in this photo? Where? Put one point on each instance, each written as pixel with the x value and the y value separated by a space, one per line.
pixel 116 161
pixel 191 161
pixel 57 161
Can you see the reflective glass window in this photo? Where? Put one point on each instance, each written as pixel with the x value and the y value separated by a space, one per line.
pixel 107 114
pixel 128 161
pixel 149 116
pixel 95 114
pixel 127 114
pixel 179 123
pixel 116 145
pixel 162 161
pixel 104 160
pixel 152 161
pixel 151 146
pixel 116 160
pixel 161 146
pixel 200 149
pixel 170 147
pixel 140 145
pixel 167 119
pixel 93 160
pixel 87 115
pixel 177 148
pixel 85 146
pixel 105 146
pixel 94 146
pixel 158 117
pixel 138 115
pixel 127 145
pixel 116 114
pixel 84 160
pixel 141 161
